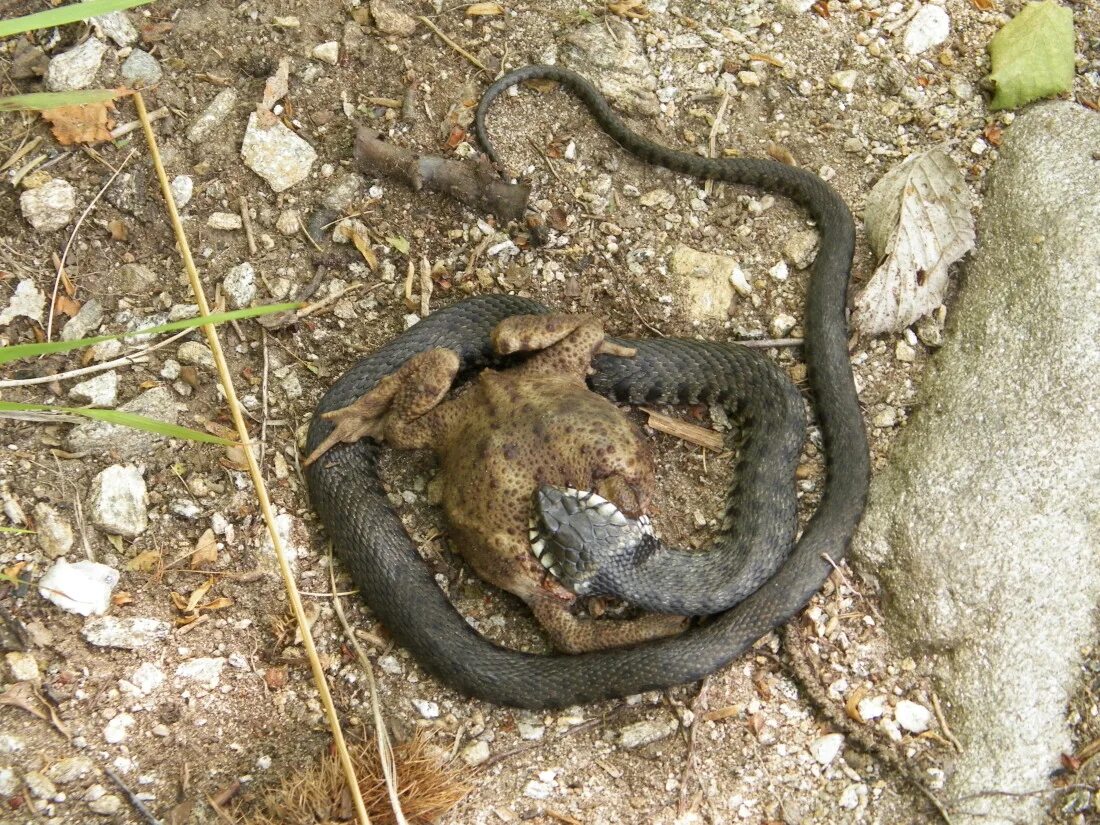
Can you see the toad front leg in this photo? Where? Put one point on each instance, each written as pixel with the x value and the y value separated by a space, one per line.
pixel 402 410
pixel 563 344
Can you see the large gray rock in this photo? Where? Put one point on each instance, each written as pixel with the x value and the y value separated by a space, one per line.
pixel 984 531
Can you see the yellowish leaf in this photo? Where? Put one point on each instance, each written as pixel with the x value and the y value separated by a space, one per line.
pixel 87 123
pixel 144 562
pixel 198 594
pixel 206 550
pixel 484 9
pixel 363 245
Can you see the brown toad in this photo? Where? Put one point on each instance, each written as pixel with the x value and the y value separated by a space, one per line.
pixel 504 435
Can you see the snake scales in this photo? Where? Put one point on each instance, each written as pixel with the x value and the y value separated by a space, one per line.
pixel 398 586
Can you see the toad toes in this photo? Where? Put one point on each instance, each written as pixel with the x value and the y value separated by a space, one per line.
pixel 504 435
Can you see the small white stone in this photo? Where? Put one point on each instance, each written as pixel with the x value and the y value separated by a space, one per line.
pixel 929 27
pixel 117 26
pixel 476 753
pixel 127 633
pixel 205 670
pixel 70 769
pixel 912 717
pixel 9 782
pixel 28 301
pixel 782 324
pixel 287 222
pixel 23 667
pixel 55 534
pixel 106 805
pixel 182 187
pixel 118 728
pixel 885 418
pixel 429 710
pixel 748 78
pixel 390 665
pixel 904 352
pixel 327 52
pixel 84 587
pixel 871 707
pixel 141 69
pixel 214 114
pixel 99 391
pixel 537 789
pixel 740 282
pixel 644 733
pixel 849 797
pixel 147 678
pixel 978 147
pixel 825 748
pixel 226 221
pixel 49 207
pixel 844 81
pixel 240 285
pixel 780 271
pixel 76 68
pixel 276 154
pixel 84 323
pixel 118 501
pixel 196 354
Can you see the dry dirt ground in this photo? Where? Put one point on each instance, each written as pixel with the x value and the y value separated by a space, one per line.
pixel 737 748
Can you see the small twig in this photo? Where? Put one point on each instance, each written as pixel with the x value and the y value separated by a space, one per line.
pixel 246 219
pixel 134 125
pixel 263 397
pixel 331 299
pixel 385 102
pixel 454 45
pixel 712 141
pixel 72 237
pixel 947 734
pixel 700 436
pixel 309 237
pixel 20 153
pixel 381 735
pixel 768 343
pixel 139 806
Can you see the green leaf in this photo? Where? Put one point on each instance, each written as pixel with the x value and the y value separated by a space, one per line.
pixel 399 243
pixel 65 14
pixel 14 353
pixel 1032 55
pixel 137 422
pixel 42 101
pixel 15 530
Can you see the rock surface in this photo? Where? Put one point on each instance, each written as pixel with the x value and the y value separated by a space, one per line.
pixel 984 532
pixel 125 441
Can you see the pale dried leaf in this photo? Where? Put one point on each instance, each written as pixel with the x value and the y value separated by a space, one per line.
pixel 206 550
pixel 87 123
pixel 918 223
pixel 484 9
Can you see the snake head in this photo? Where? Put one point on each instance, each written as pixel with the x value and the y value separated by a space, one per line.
pixel 581 537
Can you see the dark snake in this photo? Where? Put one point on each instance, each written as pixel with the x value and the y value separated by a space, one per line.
pixel 348 495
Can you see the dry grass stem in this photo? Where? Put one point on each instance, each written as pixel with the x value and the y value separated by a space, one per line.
pixel 253 467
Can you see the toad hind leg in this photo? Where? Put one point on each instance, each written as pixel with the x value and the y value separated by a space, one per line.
pixel 564 343
pixel 573 634
pixel 395 410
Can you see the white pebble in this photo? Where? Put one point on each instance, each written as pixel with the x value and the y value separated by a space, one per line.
pixel 825 748
pixel 912 717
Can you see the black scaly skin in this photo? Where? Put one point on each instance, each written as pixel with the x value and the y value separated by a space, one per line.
pixel 398 586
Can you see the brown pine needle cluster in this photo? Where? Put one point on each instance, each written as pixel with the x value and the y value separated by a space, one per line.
pixel 426 787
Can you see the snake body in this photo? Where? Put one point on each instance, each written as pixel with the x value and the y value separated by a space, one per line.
pixel 398 586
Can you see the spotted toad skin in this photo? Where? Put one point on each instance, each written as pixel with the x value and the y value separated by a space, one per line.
pixel 506 433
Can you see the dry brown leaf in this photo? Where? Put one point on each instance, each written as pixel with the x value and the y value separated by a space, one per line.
pixel 119 231
pixel 851 706
pixel 633 9
pixel 219 603
pixel 484 9
pixel 363 245
pixel 66 306
pixel 87 123
pixel 144 562
pixel 122 598
pixel 206 550
pixel 198 594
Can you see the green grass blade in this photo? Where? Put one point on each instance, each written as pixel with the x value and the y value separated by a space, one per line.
pixel 42 101
pixel 137 422
pixel 15 530
pixel 14 353
pixel 65 14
